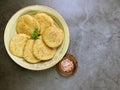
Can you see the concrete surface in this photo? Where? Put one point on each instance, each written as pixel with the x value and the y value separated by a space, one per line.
pixel 95 41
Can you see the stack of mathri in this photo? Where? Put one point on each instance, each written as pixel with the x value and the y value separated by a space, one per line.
pixel 37 38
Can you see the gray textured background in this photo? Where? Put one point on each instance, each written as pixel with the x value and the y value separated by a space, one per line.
pixel 94 27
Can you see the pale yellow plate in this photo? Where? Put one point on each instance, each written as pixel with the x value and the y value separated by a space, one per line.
pixel 10 31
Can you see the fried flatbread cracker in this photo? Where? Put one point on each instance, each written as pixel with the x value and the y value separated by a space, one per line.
pixel 41 51
pixel 17 44
pixel 28 52
pixel 44 21
pixel 26 24
pixel 53 37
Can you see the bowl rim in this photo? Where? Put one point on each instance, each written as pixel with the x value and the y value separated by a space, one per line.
pixel 23 10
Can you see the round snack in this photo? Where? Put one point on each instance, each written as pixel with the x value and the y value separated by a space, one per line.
pixel 41 51
pixel 68 65
pixel 53 37
pixel 44 21
pixel 26 24
pixel 17 44
pixel 28 52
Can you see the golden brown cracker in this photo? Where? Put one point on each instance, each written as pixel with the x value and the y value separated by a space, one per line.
pixel 28 52
pixel 26 24
pixel 17 44
pixel 53 37
pixel 44 21
pixel 41 51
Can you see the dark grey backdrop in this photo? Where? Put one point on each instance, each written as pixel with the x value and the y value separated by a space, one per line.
pixel 94 27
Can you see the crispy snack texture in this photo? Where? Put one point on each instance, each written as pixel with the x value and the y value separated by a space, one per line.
pixel 26 24
pixel 17 44
pixel 28 52
pixel 41 51
pixel 53 37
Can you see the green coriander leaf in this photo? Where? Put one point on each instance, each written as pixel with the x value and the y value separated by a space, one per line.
pixel 35 34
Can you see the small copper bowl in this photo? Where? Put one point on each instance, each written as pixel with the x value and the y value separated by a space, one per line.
pixel 74 69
